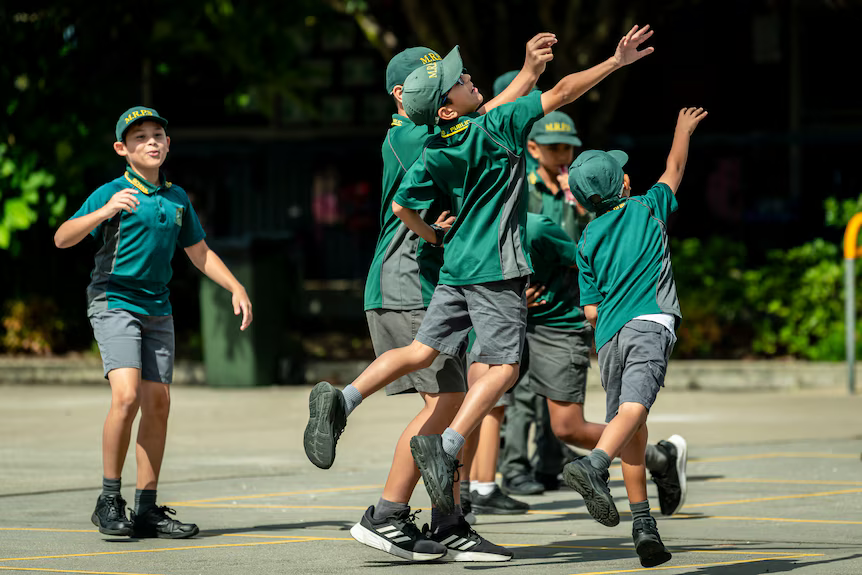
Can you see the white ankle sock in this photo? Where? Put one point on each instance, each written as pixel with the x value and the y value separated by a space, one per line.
pixel 482 488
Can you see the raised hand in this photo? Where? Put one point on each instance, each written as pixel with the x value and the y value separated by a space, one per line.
pixel 123 200
pixel 539 52
pixel 627 50
pixel 689 118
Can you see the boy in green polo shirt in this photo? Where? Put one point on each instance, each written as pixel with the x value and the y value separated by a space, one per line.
pixel 140 218
pixel 629 295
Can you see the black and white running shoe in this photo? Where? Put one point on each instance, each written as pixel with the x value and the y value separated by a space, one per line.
pixel 397 535
pixel 464 544
pixel 671 483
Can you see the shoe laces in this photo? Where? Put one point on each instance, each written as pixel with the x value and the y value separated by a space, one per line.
pixel 456 472
pixel 645 524
pixel 410 529
pixel 162 512
pixel 116 505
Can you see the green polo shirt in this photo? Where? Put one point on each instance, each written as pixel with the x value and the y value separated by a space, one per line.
pixel 133 264
pixel 479 163
pixel 405 267
pixel 542 200
pixel 624 262
pixel 554 256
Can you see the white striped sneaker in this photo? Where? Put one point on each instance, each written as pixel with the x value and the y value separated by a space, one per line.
pixel 397 535
pixel 464 544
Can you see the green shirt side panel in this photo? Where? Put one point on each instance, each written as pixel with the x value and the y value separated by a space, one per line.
pixel 553 255
pixel 624 262
pixel 479 162
pixel 405 268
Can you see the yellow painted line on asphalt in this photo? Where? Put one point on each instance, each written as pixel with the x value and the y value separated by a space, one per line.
pixel 775 498
pixel 666 567
pixel 46 570
pixel 792 455
pixel 48 529
pixel 773 519
pixel 784 481
pixel 128 551
pixel 266 506
pixel 713 551
pixel 279 494
pixel 297 537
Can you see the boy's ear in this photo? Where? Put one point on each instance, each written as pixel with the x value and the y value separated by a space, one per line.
pixel 397 92
pixel 447 114
pixel 627 182
pixel 533 148
pixel 120 148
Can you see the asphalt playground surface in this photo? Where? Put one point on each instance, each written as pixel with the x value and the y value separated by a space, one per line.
pixel 775 486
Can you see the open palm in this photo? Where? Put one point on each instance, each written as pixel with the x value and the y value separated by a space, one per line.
pixel 627 50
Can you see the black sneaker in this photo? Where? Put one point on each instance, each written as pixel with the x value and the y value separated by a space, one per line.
pixel 110 515
pixel 592 484
pixel 464 544
pixel 467 506
pixel 497 503
pixel 154 522
pixel 327 416
pixel 648 543
pixel 438 471
pixel 671 483
pixel 522 485
pixel 397 535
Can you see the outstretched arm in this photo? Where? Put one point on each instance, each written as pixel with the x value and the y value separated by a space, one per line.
pixel 575 85
pixel 214 268
pixel 687 121
pixel 539 53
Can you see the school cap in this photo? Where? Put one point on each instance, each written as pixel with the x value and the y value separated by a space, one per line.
pixel 406 61
pixel 503 80
pixel 425 86
pixel 137 114
pixel 597 173
pixel 555 128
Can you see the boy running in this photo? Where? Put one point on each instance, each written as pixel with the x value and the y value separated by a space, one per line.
pixel 629 295
pixel 140 219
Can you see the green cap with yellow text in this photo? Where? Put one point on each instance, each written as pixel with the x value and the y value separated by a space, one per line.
pixel 555 128
pixel 425 86
pixel 406 61
pixel 137 114
pixel 596 178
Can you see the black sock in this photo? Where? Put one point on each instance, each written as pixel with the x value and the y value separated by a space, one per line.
pixel 111 486
pixel 144 499
pixel 385 508
pixel 640 510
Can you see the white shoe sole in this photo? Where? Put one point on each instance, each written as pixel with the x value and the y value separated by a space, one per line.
pixel 465 556
pixel 681 461
pixel 372 539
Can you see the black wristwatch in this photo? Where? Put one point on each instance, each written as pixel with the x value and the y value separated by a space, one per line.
pixel 441 233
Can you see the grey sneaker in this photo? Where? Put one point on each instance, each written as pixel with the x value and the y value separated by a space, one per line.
pixel 648 543
pixel 327 417
pixel 397 535
pixel 438 470
pixel 464 544
pixel 497 503
pixel 592 484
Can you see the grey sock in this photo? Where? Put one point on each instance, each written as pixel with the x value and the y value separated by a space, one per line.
pixel 385 508
pixel 452 442
pixel 440 521
pixel 640 510
pixel 599 459
pixel 656 460
pixel 111 486
pixel 352 398
pixel 144 499
pixel 465 488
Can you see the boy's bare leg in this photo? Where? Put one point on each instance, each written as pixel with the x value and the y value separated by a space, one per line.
pixel 116 435
pixel 152 432
pixel 568 423
pixel 621 429
pixel 392 365
pixel 634 469
pixel 482 397
pixel 471 445
pixel 484 468
pixel 438 412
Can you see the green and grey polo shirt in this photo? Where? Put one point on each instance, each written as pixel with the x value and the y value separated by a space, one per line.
pixel 554 254
pixel 479 163
pixel 542 200
pixel 624 262
pixel 405 267
pixel 133 265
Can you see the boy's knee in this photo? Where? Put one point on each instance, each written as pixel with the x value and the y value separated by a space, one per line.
pixel 126 402
pixel 422 356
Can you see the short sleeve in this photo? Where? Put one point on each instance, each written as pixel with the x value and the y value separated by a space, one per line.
pixel 556 244
pixel 417 190
pixel 95 201
pixel 590 294
pixel 191 232
pixel 512 122
pixel 662 201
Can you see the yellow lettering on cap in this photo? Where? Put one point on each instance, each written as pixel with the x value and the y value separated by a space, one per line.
pixel 430 57
pixel 138 114
pixel 558 127
pixel 432 70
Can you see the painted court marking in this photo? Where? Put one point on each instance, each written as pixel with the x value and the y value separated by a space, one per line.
pixel 666 567
pixel 45 570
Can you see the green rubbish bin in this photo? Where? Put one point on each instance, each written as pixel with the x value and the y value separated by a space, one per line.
pixel 270 270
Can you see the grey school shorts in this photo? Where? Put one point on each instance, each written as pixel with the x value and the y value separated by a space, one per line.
pixel 496 310
pixel 391 329
pixel 559 359
pixel 128 339
pixel 633 364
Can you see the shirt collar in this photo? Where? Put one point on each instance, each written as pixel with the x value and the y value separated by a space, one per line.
pixel 454 128
pixel 535 179
pixel 399 120
pixel 142 184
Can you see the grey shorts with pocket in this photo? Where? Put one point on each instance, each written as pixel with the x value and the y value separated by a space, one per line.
pixel 559 359
pixel 496 310
pixel 128 339
pixel 633 364
pixel 391 329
